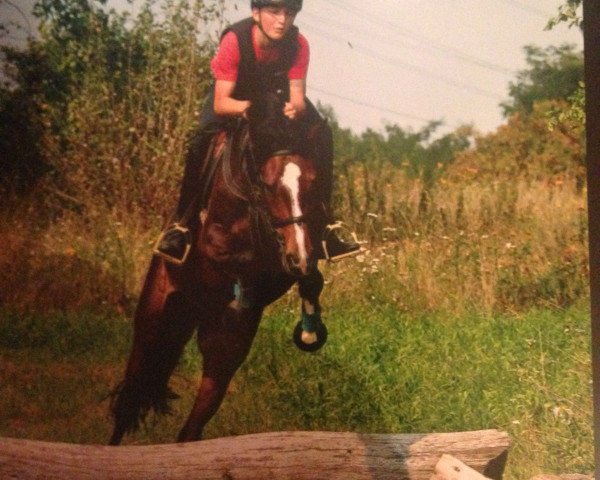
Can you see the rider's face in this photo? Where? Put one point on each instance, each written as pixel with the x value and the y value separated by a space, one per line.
pixel 275 21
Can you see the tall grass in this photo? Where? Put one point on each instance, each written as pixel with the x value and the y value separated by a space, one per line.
pixel 493 247
pixel 490 248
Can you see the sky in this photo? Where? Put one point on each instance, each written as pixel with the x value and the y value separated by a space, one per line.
pixel 403 62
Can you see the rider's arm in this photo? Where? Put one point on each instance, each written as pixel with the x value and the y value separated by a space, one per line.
pixel 225 104
pixel 297 77
pixel 296 107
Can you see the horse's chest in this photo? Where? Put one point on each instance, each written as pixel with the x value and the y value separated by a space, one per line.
pixel 228 242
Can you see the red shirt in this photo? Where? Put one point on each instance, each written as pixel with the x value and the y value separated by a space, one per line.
pixel 225 64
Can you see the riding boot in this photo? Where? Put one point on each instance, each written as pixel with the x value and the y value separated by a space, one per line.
pixel 174 243
pixel 330 246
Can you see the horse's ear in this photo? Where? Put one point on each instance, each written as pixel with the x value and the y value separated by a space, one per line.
pixel 272 171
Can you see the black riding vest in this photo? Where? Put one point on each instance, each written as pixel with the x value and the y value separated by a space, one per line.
pixel 254 77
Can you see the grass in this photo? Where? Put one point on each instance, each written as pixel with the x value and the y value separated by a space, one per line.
pixel 383 370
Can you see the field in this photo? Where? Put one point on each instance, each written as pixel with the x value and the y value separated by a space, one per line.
pixel 468 321
pixel 468 309
pixel 383 370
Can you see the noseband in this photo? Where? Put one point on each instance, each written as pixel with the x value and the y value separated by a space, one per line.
pixel 288 221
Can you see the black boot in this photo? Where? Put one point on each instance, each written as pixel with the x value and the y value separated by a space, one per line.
pixel 174 244
pixel 331 246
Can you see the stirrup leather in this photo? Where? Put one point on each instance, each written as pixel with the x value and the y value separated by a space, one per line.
pixel 188 244
pixel 328 230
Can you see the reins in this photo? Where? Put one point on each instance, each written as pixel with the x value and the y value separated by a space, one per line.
pixel 247 187
pixel 241 179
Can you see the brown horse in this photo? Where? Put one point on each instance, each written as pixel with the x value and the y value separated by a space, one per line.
pixel 254 240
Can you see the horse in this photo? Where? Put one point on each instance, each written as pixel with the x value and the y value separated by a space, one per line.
pixel 254 240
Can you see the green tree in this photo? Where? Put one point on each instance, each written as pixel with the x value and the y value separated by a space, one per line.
pixel 553 73
pixel 108 97
pixel 525 148
pixel 569 13
pixel 22 159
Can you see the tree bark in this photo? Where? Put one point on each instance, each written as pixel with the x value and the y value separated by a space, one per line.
pixel 278 455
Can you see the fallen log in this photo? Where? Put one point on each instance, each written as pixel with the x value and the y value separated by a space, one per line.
pixel 277 455
pixel 451 468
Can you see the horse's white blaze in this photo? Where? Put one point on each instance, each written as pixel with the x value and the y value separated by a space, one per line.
pixel 291 180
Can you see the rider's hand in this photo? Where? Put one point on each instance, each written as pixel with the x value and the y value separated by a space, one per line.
pixel 290 111
pixel 245 106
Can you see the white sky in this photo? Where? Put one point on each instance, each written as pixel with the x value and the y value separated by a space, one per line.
pixel 408 62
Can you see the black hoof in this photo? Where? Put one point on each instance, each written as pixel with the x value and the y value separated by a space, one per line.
pixel 310 347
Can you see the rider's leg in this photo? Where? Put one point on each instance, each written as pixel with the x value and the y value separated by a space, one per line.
pixel 334 248
pixel 174 242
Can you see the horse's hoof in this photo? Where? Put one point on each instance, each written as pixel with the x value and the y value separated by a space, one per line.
pixel 321 338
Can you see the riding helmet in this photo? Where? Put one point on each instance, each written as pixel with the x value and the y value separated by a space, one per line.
pixel 295 5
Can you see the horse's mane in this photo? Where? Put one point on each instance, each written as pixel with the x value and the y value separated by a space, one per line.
pixel 270 130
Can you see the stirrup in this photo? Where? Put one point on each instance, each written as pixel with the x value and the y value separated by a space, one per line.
pixel 338 226
pixel 188 244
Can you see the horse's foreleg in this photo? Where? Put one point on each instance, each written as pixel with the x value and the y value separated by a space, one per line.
pixel 310 334
pixel 224 346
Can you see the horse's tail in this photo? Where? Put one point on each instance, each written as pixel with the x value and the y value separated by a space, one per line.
pixel 163 325
pixel 132 400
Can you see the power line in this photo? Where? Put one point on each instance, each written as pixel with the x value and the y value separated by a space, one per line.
pixel 21 12
pixel 430 43
pixel 527 8
pixel 374 107
pixel 408 66
pixel 432 49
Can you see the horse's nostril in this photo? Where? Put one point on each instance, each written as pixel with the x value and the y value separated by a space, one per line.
pixel 292 260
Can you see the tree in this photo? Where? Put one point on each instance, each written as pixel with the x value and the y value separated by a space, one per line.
pixel 575 113
pixel 525 148
pixel 106 99
pixel 567 13
pixel 554 73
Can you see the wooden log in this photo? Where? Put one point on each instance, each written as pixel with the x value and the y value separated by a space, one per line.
pixel 451 468
pixel 279 455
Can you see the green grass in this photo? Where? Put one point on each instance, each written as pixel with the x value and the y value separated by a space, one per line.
pixel 381 371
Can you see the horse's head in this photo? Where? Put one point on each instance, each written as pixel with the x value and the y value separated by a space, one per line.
pixel 289 179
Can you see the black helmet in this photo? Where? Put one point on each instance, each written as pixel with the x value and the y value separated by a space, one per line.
pixel 295 5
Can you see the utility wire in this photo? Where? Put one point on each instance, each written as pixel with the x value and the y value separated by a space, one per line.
pixel 430 43
pixel 374 107
pixel 408 66
pixel 527 8
pixel 418 44
pixel 21 12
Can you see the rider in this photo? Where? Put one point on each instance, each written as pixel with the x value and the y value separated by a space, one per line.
pixel 265 51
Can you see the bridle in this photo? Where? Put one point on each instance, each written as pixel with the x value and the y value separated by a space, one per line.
pixel 239 148
pixel 292 220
